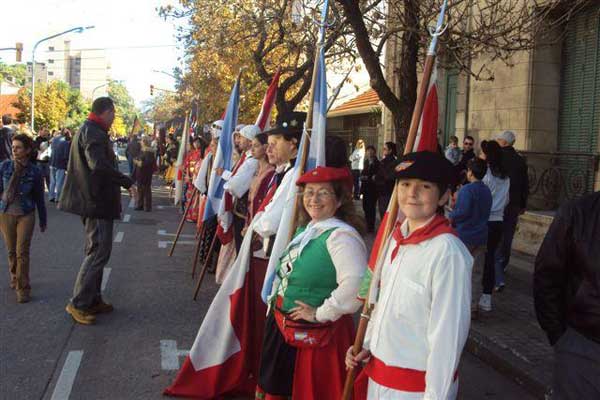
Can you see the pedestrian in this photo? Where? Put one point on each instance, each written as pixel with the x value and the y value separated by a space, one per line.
pixel 191 166
pixel 468 153
pixel 43 161
pixel 144 168
pixel 59 157
pixel 384 180
pixel 567 304
pixel 132 151
pixel 357 161
pixel 6 134
pixel 421 320
pixel 453 152
pixel 313 297
pixel 471 213
pixel 516 168
pixel 92 190
pixel 368 189
pixel 497 180
pixel 21 192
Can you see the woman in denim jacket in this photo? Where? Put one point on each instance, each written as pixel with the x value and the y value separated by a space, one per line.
pixel 21 192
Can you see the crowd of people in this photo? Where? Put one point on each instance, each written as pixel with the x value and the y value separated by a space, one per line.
pixel 459 210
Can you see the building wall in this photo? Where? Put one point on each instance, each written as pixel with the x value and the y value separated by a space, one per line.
pixel 41 73
pixel 56 56
pixel 94 71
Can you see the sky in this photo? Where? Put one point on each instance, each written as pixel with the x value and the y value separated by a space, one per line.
pixel 126 28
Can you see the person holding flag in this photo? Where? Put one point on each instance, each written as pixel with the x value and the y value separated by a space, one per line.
pixel 191 167
pixel 313 297
pixel 420 324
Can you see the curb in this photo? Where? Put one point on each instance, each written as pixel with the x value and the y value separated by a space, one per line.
pixel 505 363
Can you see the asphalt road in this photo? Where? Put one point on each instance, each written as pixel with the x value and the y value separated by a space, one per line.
pixel 45 356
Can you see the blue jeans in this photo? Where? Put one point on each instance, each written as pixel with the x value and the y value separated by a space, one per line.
pixel 57 179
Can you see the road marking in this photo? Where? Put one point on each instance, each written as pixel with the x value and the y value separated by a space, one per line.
pixel 126 218
pixel 162 244
pixel 131 203
pixel 164 207
pixel 169 355
pixel 65 381
pixel 163 232
pixel 119 237
pixel 105 276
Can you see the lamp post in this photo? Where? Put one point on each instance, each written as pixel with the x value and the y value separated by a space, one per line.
pixel 166 73
pixel 79 29
pixel 104 84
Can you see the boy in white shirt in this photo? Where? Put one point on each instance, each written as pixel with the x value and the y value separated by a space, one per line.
pixel 421 320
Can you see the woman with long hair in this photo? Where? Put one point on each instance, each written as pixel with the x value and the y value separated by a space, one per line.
pixel 21 192
pixel 262 176
pixel 309 324
pixel 497 180
pixel 357 159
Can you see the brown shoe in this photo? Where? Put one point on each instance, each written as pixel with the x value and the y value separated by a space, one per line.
pixel 101 308
pixel 23 297
pixel 80 316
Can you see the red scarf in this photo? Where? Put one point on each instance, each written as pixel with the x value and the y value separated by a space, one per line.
pixel 95 118
pixel 437 226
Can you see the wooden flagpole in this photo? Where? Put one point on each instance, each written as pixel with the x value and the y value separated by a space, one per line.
pixel 182 222
pixel 393 206
pixel 205 266
pixel 197 249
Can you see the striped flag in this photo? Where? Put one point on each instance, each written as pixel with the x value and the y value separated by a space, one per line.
pixel 426 139
pixel 223 156
pixel 180 163
pixel 264 118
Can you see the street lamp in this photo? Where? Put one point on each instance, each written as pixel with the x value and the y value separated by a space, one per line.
pixel 166 73
pixel 79 29
pixel 104 84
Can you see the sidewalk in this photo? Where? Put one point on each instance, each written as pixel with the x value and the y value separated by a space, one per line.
pixel 510 339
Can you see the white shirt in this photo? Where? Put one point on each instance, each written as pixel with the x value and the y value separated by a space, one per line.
pixel 500 191
pixel 238 184
pixel 422 317
pixel 269 222
pixel 200 181
pixel 357 159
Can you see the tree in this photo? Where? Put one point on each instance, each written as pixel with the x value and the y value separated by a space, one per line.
pixel 487 30
pixel 161 108
pixel 124 103
pixel 56 106
pixel 18 72
pixel 222 36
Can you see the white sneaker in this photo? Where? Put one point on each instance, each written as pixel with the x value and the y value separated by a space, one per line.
pixel 485 302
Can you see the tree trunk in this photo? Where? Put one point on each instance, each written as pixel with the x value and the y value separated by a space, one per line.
pixel 407 73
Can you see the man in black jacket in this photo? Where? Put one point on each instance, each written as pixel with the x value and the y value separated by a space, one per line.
pixel 93 191
pixel 6 134
pixel 516 168
pixel 566 289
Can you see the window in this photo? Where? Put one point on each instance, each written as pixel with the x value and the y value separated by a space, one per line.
pixel 51 48
pixel 50 61
pixel 50 73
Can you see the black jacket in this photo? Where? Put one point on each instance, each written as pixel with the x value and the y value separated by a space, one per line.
pixel 386 176
pixel 566 282
pixel 516 168
pixel 6 135
pixel 367 177
pixel 93 184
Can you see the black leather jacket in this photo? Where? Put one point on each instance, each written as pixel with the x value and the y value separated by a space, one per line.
pixel 93 183
pixel 566 284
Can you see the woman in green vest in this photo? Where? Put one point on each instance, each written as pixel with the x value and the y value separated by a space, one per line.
pixel 309 324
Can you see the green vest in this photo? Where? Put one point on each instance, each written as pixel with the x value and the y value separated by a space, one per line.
pixel 313 274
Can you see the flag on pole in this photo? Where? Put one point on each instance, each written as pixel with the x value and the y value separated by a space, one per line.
pixel 180 163
pixel 427 134
pixel 264 118
pixel 223 156
pixel 315 158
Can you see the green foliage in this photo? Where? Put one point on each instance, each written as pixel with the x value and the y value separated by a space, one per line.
pixel 16 71
pixel 124 104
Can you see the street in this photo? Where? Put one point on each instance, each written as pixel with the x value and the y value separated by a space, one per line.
pixel 134 352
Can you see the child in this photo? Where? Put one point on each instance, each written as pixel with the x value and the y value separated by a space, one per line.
pixel 421 320
pixel 453 152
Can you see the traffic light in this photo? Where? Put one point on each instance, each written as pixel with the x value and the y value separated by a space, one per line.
pixel 151 90
pixel 19 48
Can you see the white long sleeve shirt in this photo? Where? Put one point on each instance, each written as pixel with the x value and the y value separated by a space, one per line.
pixel 421 320
pixel 200 181
pixel 238 184
pixel 500 194
pixel 269 222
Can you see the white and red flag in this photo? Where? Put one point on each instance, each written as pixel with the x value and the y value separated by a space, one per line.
pixel 225 214
pixel 180 163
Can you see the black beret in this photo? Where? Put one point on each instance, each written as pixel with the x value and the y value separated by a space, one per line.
pixel 427 166
pixel 290 125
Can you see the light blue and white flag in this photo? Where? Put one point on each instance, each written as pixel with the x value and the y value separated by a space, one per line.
pixel 223 157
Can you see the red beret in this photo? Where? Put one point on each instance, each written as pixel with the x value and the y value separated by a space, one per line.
pixel 327 174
